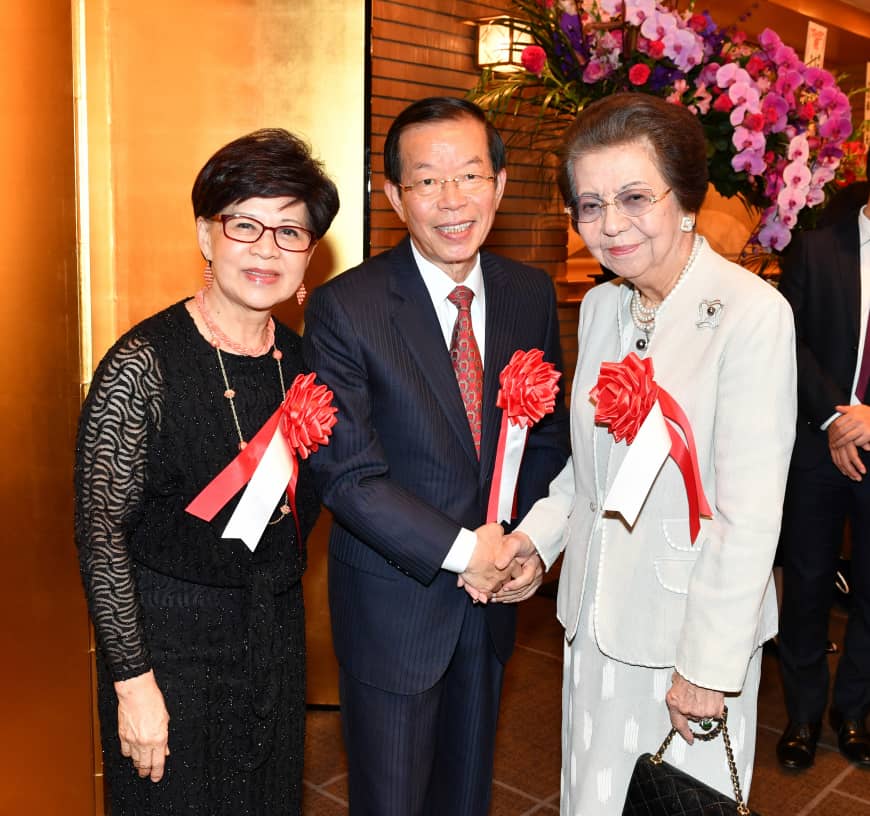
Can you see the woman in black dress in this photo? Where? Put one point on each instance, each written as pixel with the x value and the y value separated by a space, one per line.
pixel 201 641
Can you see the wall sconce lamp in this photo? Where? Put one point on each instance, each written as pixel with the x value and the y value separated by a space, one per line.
pixel 500 43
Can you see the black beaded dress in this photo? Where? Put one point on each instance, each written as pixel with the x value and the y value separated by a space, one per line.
pixel 222 627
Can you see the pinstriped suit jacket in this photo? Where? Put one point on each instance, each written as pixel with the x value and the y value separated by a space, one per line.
pixel 400 474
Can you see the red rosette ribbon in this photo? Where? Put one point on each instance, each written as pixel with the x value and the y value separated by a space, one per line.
pixel 307 415
pixel 633 407
pixel 528 392
pixel 623 396
pixel 268 464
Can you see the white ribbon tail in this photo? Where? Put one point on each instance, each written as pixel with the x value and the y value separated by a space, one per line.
pixel 645 457
pixel 262 493
pixel 515 444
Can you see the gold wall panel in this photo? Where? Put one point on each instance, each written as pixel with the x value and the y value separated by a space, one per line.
pixel 45 730
pixel 168 83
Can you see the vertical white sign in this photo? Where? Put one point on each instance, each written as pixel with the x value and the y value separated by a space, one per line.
pixel 814 53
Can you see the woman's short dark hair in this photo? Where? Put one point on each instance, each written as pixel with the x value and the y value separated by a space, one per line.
pixel 674 133
pixel 438 109
pixel 268 163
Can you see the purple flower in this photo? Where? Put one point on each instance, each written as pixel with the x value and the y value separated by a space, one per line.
pixel 684 47
pixel 748 161
pixel 744 139
pixel 796 175
pixel 570 25
pixel 774 235
pixel 787 82
pixel 798 150
pixel 775 111
pixel 769 40
pixel 594 71
pixel 746 100
pixel 818 78
pixel 836 128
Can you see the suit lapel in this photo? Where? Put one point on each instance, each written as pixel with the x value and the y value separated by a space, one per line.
pixel 501 318
pixel 414 318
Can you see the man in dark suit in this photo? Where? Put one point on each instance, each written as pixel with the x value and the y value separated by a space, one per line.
pixel 408 470
pixel 826 278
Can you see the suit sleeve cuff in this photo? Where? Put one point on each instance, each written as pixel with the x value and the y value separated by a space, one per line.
pixel 459 554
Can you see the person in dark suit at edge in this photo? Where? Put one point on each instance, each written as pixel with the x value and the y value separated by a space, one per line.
pixel 408 470
pixel 826 278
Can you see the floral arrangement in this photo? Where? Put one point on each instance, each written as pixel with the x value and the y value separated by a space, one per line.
pixel 775 127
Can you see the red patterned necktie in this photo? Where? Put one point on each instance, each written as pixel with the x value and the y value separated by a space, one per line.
pixel 466 360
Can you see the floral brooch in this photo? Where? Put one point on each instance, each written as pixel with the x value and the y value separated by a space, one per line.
pixel 709 314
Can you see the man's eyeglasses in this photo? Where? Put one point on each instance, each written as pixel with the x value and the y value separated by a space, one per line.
pixel 466 183
pixel 248 230
pixel 633 203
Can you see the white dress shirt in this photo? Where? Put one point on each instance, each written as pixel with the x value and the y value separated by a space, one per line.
pixel 439 285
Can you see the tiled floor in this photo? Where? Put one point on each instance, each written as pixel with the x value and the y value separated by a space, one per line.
pixel 527 750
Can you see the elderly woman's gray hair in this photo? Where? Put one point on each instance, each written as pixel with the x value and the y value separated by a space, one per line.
pixel 672 131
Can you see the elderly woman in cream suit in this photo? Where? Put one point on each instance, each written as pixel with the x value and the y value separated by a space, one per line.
pixel 660 630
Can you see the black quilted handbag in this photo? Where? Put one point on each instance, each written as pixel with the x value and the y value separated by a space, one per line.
pixel 659 789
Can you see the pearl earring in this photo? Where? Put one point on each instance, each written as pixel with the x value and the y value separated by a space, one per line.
pixel 687 223
pixel 301 292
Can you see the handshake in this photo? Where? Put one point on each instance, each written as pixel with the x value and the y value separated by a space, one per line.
pixel 503 568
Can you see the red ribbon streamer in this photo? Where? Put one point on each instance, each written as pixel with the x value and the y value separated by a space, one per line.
pixel 305 417
pixel 624 394
pixel 528 392
pixel 686 457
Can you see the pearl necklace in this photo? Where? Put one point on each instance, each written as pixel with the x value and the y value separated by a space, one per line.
pixel 644 317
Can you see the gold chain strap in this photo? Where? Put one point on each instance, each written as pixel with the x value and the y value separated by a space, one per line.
pixel 721 725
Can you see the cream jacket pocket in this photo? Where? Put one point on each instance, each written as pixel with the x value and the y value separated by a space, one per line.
pixel 674 573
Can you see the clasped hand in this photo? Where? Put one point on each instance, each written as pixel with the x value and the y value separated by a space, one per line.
pixel 846 434
pixel 503 568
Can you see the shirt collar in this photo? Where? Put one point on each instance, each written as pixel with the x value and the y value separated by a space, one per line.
pixel 440 284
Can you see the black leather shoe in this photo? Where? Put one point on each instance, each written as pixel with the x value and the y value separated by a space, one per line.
pixel 796 749
pixel 852 738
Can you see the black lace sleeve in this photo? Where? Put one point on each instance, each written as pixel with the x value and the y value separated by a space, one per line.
pixel 119 416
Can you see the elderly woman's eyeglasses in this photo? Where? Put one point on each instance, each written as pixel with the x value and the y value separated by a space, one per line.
pixel 634 202
pixel 248 230
pixel 466 183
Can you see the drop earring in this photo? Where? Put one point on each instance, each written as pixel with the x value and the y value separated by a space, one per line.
pixel 208 275
pixel 687 223
pixel 301 294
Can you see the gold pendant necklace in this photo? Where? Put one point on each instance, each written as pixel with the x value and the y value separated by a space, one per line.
pixel 230 394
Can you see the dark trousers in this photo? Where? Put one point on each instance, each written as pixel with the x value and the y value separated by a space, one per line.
pixel 427 754
pixel 818 501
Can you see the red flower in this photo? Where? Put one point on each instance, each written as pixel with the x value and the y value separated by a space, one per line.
pixel 723 103
pixel 534 58
pixel 623 396
pixel 656 49
pixel 753 121
pixel 698 23
pixel 528 387
pixel 307 415
pixel 638 74
pixel 755 66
